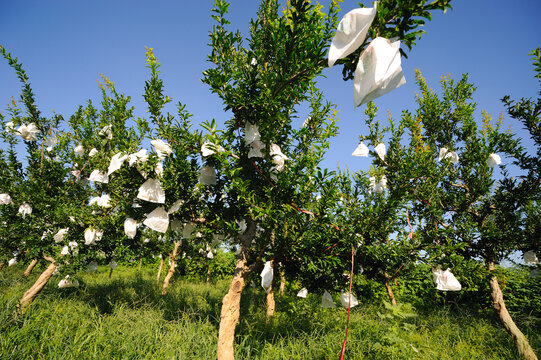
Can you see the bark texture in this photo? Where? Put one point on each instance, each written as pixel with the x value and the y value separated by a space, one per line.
pixel 159 270
pixel 390 292
pixel 523 346
pixel 271 304
pixel 30 267
pixel 171 271
pixel 231 301
pixel 29 296
pixel 282 283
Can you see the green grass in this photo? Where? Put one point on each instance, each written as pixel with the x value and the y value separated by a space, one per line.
pixel 126 318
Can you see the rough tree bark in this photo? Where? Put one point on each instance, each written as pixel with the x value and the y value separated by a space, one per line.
pixel 30 267
pixel 271 304
pixel 282 283
pixel 390 292
pixel 231 301
pixel 160 270
pixel 521 341
pixel 171 271
pixel 29 296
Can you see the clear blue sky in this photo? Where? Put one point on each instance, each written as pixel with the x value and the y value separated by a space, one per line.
pixel 65 44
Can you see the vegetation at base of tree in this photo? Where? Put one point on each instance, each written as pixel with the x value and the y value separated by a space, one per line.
pixel 125 317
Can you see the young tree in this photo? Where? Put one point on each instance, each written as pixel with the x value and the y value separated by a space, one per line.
pixel 263 171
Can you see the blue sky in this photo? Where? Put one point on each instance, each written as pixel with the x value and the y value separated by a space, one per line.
pixel 64 45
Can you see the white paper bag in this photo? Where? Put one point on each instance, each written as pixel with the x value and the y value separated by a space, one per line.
pixel 266 276
pixel 344 300
pixel 445 280
pixel 378 72
pixel 327 301
pixel 351 33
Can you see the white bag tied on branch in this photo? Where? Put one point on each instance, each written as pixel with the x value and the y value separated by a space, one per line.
pixel 266 276
pixel 98 176
pixel 28 132
pixel 50 142
pixel 381 150
pixel 493 160
pixel 188 232
pixel 107 132
pixel 361 150
pixel 92 235
pixel 251 133
pixel 73 245
pixel 446 154
pixel 175 207
pixel 25 209
pixel 65 251
pixel 92 152
pixel 59 236
pixel 445 280
pixel 207 149
pixel 5 199
pixel 378 72
pixel 152 191
pixel 162 148
pixel 327 301
pixel 93 266
pixel 112 264
pixel 530 257
pixel 139 157
pixel 256 148
pixel 12 262
pixel 157 220
pixel 351 33
pixel 79 150
pixel 378 186
pixel 66 283
pixel 116 162
pixel 207 176
pixel 344 300
pixel 130 228
pixel 302 293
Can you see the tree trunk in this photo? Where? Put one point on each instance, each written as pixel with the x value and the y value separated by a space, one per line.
pixel 271 304
pixel 2 264
pixel 282 283
pixel 160 270
pixel 30 267
pixel 110 273
pixel 208 275
pixel 231 301
pixel 29 296
pixel 171 271
pixel 521 341
pixel 390 292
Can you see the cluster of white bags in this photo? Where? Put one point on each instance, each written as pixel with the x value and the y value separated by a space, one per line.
pixel 379 69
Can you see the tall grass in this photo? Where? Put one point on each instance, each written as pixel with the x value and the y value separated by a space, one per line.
pixel 126 318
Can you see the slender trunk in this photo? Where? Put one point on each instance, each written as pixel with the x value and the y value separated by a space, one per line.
pixel 171 268
pixel 29 296
pixel 390 292
pixel 160 270
pixel 30 267
pixel 140 263
pixel 231 301
pixel 208 274
pixel 521 341
pixel 271 304
pixel 110 273
pixel 2 264
pixel 282 283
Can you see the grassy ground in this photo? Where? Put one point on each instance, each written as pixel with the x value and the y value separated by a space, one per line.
pixel 126 318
